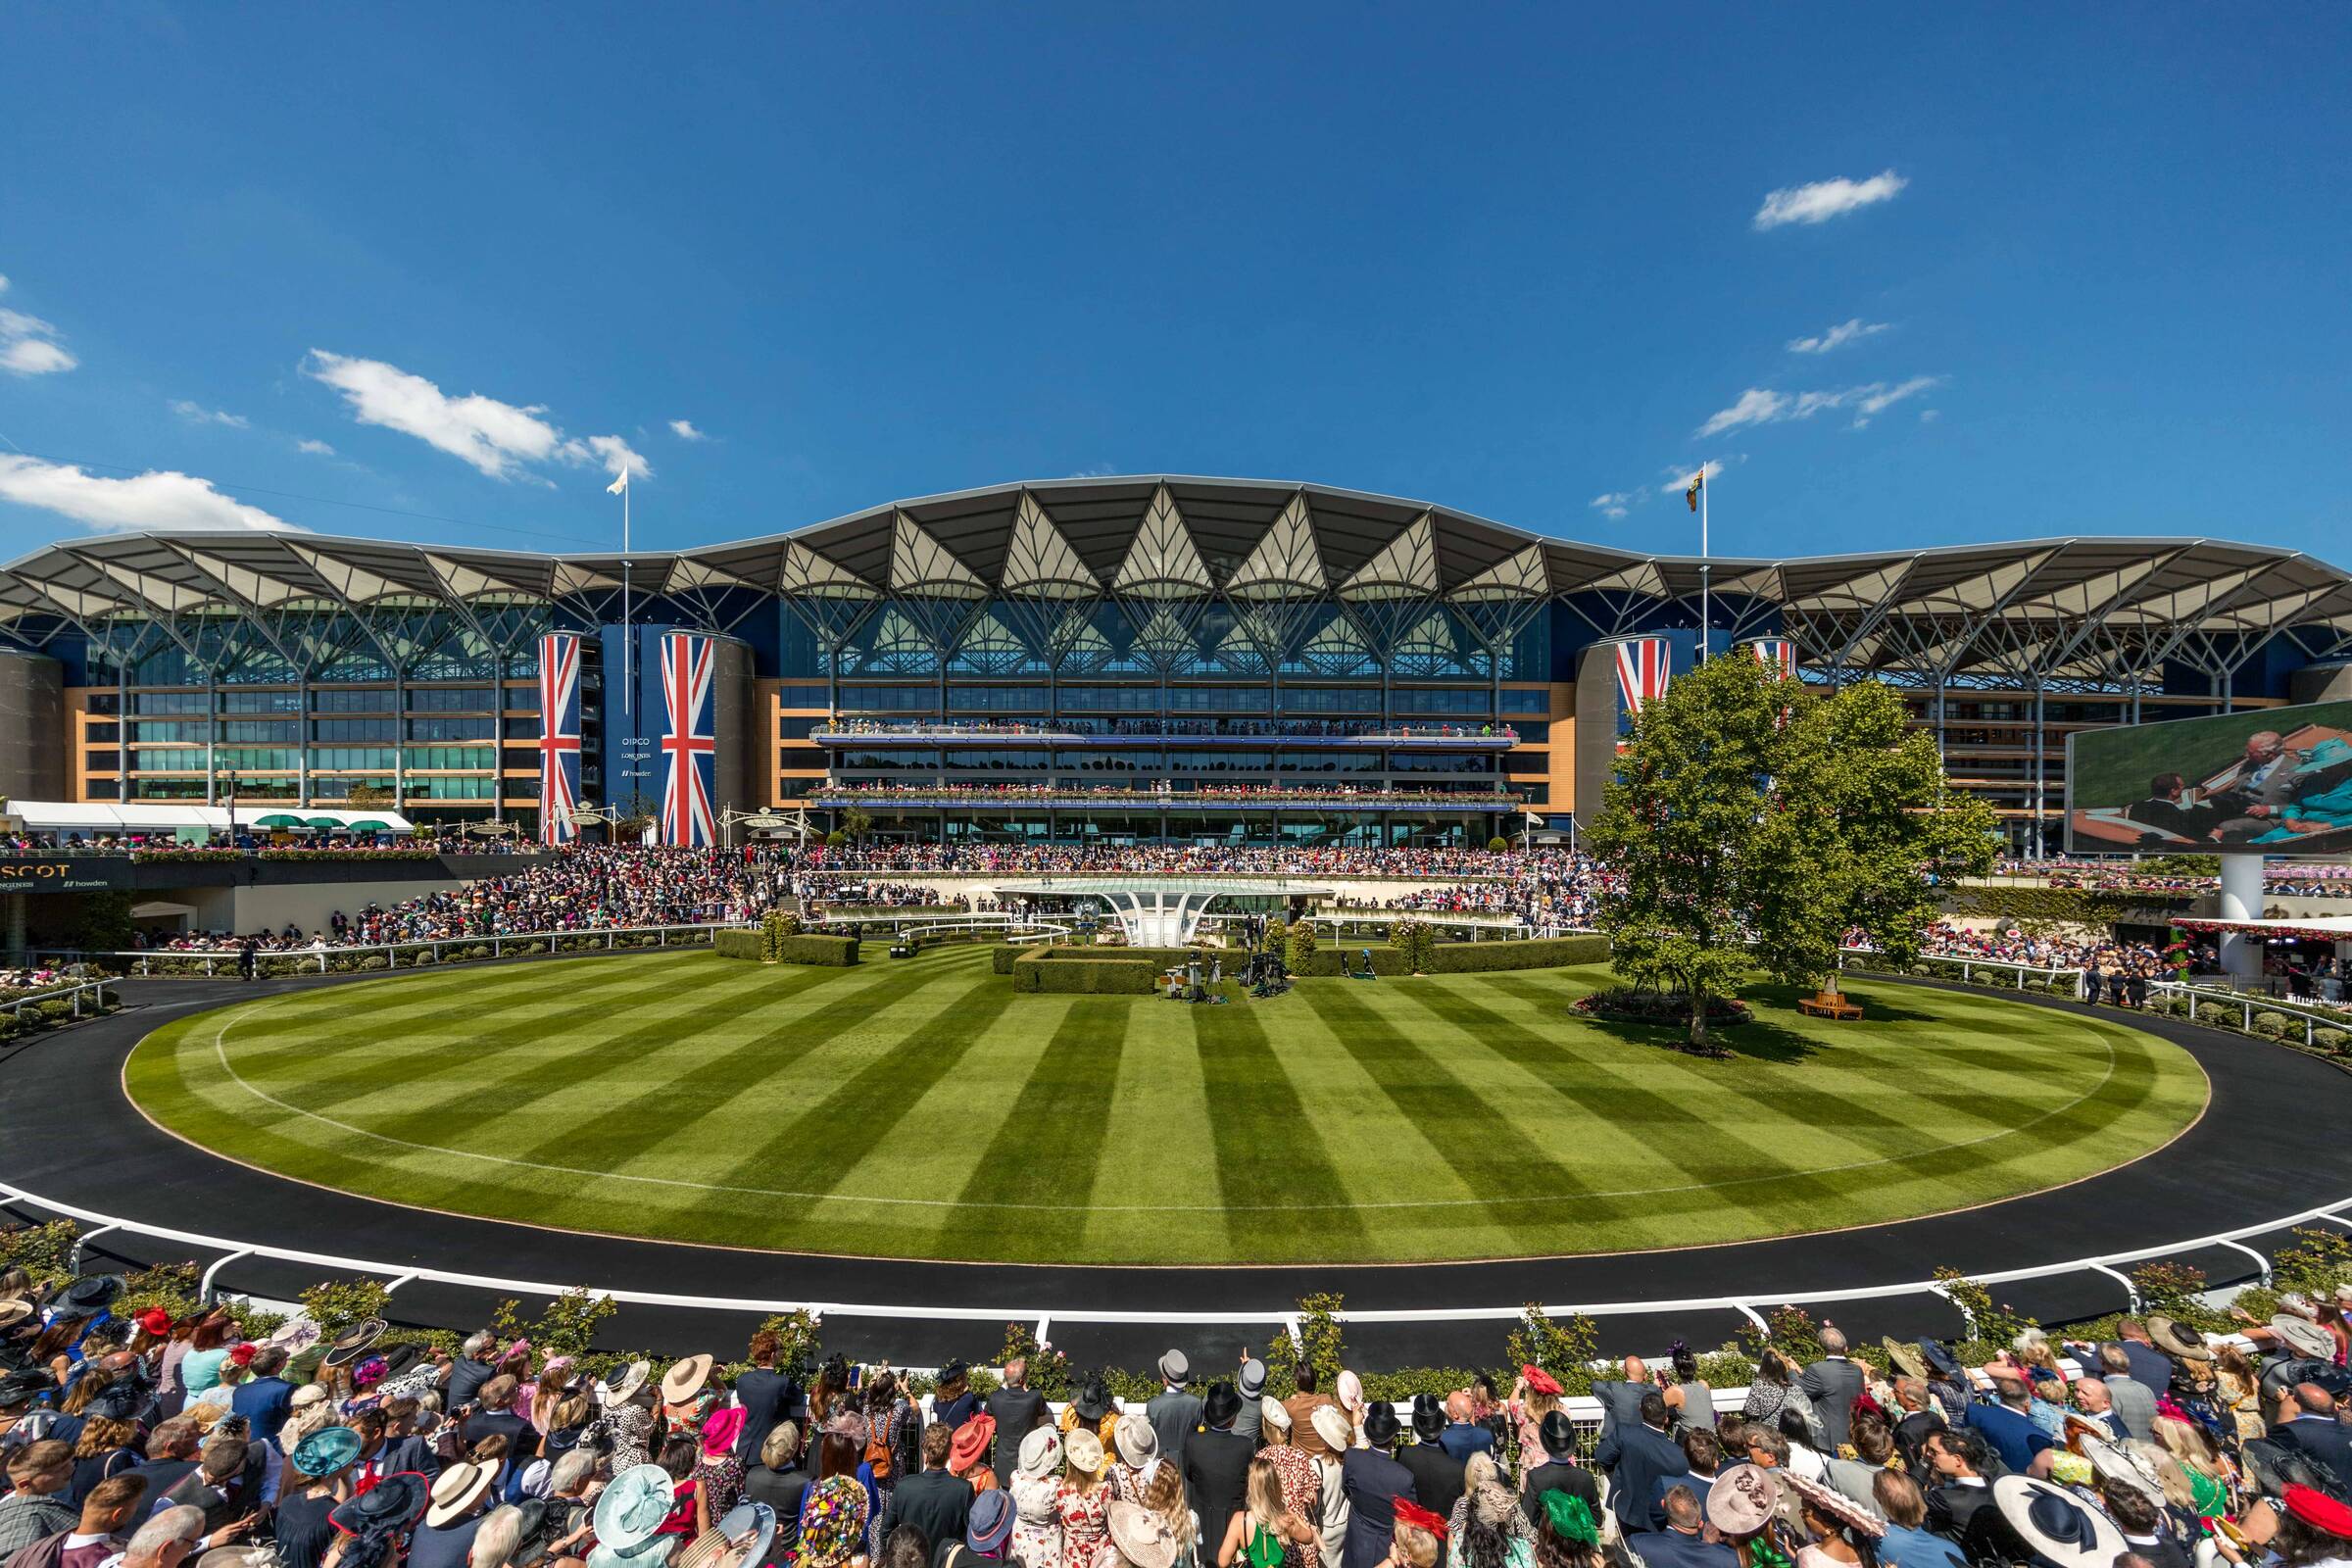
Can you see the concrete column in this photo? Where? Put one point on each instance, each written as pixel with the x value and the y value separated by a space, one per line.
pixel 2242 900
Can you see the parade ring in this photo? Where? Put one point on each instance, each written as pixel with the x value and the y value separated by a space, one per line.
pixel 72 1138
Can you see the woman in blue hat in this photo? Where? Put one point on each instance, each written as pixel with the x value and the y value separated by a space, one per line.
pixel 318 1482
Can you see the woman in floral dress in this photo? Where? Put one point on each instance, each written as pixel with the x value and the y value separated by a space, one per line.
pixel 1036 1489
pixel 1084 1503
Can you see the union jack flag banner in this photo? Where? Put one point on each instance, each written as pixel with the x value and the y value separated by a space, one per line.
pixel 1777 653
pixel 1643 667
pixel 558 736
pixel 689 742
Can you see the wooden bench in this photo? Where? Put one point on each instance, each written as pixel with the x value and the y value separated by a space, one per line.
pixel 1829 1004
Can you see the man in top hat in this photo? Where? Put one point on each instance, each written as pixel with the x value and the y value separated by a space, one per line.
pixel 1175 1410
pixel 1437 1476
pixel 1637 1456
pixel 935 1501
pixel 1373 1481
pixel 1250 1382
pixel 1558 1471
pixel 1216 1462
pixel 1018 1410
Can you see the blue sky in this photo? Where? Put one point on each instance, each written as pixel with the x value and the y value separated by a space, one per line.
pixel 2089 263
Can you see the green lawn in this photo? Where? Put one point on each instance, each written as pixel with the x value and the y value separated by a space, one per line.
pixel 920 1108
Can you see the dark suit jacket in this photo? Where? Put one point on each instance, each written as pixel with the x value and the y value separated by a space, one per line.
pixel 1216 1477
pixel 409 1452
pixel 1635 1457
pixel 1373 1482
pixel 1553 1476
pixel 1833 1383
pixel 935 1502
pixel 1017 1411
pixel 1436 1476
pixel 767 1396
pixel 1911 1435
pixel 1952 1507
pixel 1462 1439
pixel 1173 1415
pixel 266 1402
pixel 2323 1438
pixel 1671 1549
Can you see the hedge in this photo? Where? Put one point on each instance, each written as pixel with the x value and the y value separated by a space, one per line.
pixel 1465 957
pixel 836 953
pixel 1100 977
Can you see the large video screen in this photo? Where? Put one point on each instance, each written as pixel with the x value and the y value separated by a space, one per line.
pixel 2273 782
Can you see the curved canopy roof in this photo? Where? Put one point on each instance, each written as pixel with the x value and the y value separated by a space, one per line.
pixel 2088 608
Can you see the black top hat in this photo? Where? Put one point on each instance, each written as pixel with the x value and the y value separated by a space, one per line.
pixel 88 1295
pixel 1221 1407
pixel 1558 1434
pixel 1429 1417
pixel 1379 1425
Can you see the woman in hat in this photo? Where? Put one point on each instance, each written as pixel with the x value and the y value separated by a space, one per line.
pixel 1092 1406
pixel 1567 1535
pixel 834 1514
pixel 1494 1532
pixel 1268 1532
pixel 1133 1446
pixel 688 1392
pixel 1417 1538
pixel 317 1481
pixel 2313 1529
pixel 1844 1531
pixel 968 1453
pixel 626 1428
pixel 1083 1505
pixel 892 1428
pixel 1534 1397
pixel 717 1469
pixel 1036 1490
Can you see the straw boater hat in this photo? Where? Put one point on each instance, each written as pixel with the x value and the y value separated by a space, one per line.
pixel 1138 1443
pixel 457 1490
pixel 1742 1501
pixel 2057 1527
pixel 16 1311
pixel 2178 1338
pixel 1041 1453
pixel 1081 1451
pixel 621 1384
pixel 2303 1336
pixel 1836 1504
pixel 685 1379
pixel 1141 1535
pixel 743 1536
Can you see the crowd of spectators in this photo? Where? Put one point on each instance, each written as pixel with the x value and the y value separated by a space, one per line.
pixel 1355 796
pixel 137 1440
pixel 2294 879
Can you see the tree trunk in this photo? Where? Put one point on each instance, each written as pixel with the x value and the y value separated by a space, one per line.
pixel 1698 1019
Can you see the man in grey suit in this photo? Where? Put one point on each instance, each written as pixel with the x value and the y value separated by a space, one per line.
pixel 1833 1384
pixel 1175 1410
pixel 2132 1401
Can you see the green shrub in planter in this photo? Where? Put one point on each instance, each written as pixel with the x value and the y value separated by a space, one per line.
pixel 374 960
pixel 2272 1024
pixel 1040 973
pixel 1535 953
pixel 738 944
pixel 2331 1038
pixel 836 953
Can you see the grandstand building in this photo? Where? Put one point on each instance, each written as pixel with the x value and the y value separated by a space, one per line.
pixel 1104 659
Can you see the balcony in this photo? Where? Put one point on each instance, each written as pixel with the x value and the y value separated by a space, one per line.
pixel 1219 797
pixel 1336 735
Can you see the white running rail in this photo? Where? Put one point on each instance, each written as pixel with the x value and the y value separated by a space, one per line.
pixel 2247 1005
pixel 583 940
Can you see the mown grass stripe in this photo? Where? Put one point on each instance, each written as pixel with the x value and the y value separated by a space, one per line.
pixel 1269 1140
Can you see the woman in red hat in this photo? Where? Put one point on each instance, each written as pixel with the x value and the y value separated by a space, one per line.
pixel 1418 1539
pixel 1534 1397
pixel 2314 1530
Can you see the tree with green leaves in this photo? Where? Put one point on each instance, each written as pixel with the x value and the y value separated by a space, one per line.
pixel 1753 822
pixel 857 821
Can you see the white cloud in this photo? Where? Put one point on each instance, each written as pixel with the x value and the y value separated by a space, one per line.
pixel 684 430
pixel 497 438
pixel 160 499
pixel 197 413
pixel 28 345
pixel 1837 337
pixel 1930 416
pixel 1611 503
pixel 1826 199
pixel 316 448
pixel 1757 406
pixel 1099 471
pixel 1678 478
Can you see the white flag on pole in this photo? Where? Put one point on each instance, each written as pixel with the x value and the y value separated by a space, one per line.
pixel 619 486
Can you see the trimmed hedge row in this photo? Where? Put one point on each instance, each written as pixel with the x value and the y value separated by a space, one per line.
pixel 1465 957
pixel 837 952
pixel 1039 974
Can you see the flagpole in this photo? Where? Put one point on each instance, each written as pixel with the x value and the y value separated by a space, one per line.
pixel 1707 568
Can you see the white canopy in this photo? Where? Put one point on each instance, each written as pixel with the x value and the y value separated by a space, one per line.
pixel 106 816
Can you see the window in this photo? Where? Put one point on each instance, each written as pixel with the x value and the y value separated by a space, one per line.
pixel 103 789
pixel 1436 763
pixel 168 703
pixel 450 789
pixel 1218 699
pixel 278 731
pixel 995 699
pixel 105 702
pixel 449 729
pixel 350 700
pixel 987 760
pixel 252 701
pixel 1331 699
pixel 106 762
pixel 1118 762
pixel 1442 700
pixel 379 731
pixel 1328 762
pixel 370 758
pixel 448 757
pixel 1111 698
pixel 889 699
pixel 152 730
pixel 449 700
pixel 1200 761
pixel 889 756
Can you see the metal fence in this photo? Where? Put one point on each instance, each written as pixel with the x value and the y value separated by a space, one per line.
pixel 94 989
pixel 2246 1006
pixel 167 963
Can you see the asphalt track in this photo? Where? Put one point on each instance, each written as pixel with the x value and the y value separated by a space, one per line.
pixel 2267 1145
